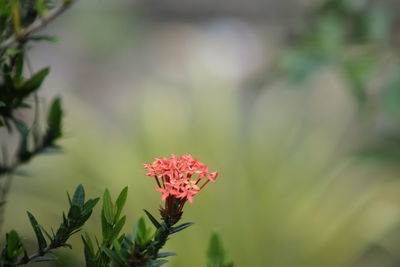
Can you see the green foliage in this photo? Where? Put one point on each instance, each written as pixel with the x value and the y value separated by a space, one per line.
pixel 79 212
pixel 141 248
pixel 12 250
pixel 353 38
pixel 112 224
pixel 216 253
pixel 17 90
pixel 20 20
pixel 142 233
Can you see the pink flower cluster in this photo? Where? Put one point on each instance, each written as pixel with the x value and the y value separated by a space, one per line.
pixel 179 177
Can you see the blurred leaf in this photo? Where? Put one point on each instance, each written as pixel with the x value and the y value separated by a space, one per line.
pixel 358 72
pixel 120 203
pixel 41 7
pixel 117 228
pixel 300 65
pixel 43 259
pixel 390 98
pixel 105 226
pixel 115 257
pixel 79 197
pixel 89 251
pixel 216 253
pixel 378 24
pixel 108 207
pixel 16 16
pixel 13 242
pixel 48 38
pixel 19 67
pixel 38 232
pixel 21 127
pixel 35 81
pixel 54 121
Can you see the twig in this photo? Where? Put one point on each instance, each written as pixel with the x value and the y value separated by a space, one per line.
pixel 45 251
pixel 36 25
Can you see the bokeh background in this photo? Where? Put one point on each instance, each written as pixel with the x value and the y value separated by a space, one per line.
pixel 295 103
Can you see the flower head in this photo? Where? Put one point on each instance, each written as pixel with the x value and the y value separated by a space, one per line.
pixel 178 180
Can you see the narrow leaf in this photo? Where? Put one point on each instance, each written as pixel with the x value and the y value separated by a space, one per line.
pixel 165 254
pixel 180 227
pixel 120 203
pixel 54 122
pixel 108 207
pixel 42 259
pixel 117 228
pixel 38 232
pixel 36 81
pixel 152 219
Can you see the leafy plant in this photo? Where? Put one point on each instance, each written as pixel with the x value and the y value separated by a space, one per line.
pixel 20 84
pixel 216 253
pixel 14 252
pixel 20 20
pixel 142 247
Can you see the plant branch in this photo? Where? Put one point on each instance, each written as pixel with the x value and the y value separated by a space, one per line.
pixel 26 260
pixel 36 25
pixel 10 169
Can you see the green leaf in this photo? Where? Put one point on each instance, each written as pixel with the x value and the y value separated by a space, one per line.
pixel 155 263
pixel 2 104
pixel 89 251
pixel 47 38
pixel 35 82
pixel 74 212
pixel 89 205
pixel 38 232
pixel 54 122
pixel 23 153
pixel 41 7
pixel 19 67
pixel 108 207
pixel 378 24
pixel 21 127
pixel 79 197
pixel 216 253
pixel 105 226
pixel 114 257
pixel 13 242
pixel 117 228
pixel 120 203
pixel 180 227
pixel 42 259
pixel 390 97
pixel 152 219
pixel 358 72
pixel 165 254
pixel 142 235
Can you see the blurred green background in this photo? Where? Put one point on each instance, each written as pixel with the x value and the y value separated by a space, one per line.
pixel 295 103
